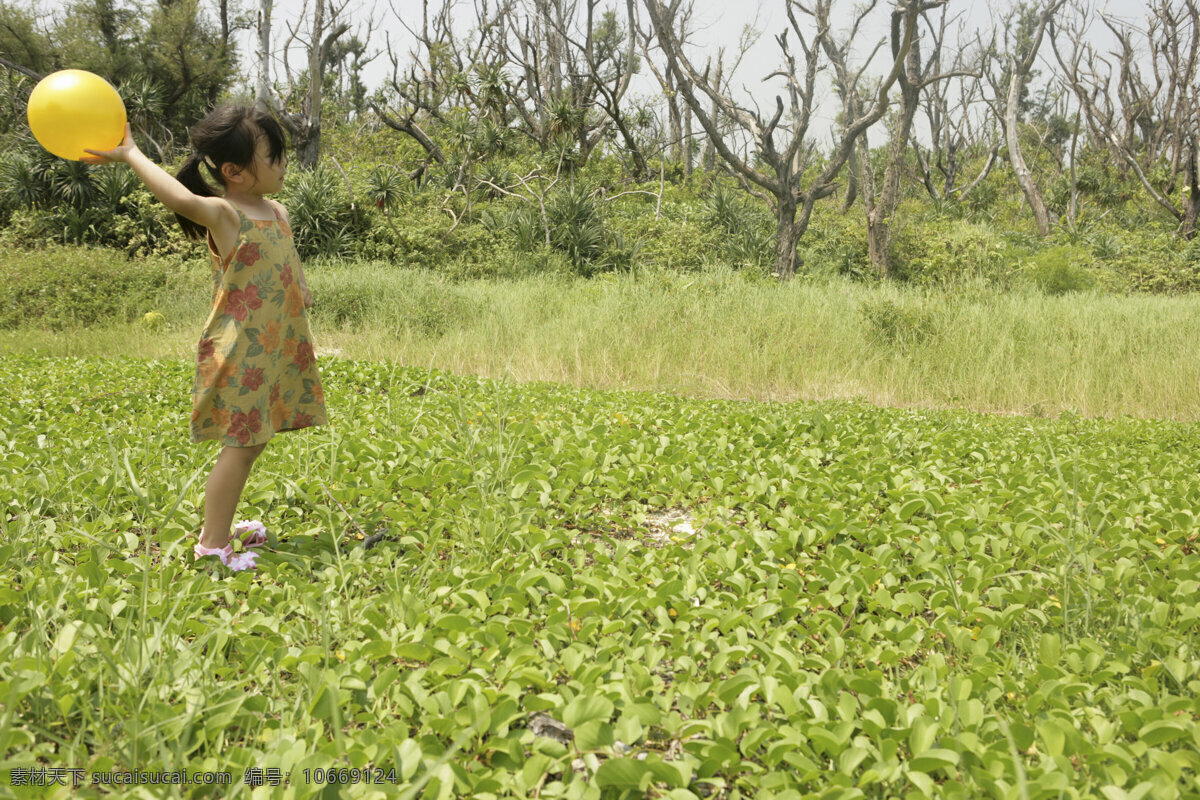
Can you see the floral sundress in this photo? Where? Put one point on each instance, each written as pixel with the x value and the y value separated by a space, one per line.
pixel 256 372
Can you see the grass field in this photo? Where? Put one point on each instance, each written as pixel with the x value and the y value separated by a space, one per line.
pixel 721 335
pixel 714 598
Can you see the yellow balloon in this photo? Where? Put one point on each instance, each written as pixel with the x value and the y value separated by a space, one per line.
pixel 76 109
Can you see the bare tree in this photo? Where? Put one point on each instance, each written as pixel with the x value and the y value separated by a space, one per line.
pixel 913 79
pixel 1151 122
pixel 1025 27
pixel 607 80
pixel 327 26
pixel 783 184
pixel 675 108
pixel 225 47
pixel 574 64
pixel 948 108
pixel 424 86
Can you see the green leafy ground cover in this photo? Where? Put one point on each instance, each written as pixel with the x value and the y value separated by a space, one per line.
pixel 717 599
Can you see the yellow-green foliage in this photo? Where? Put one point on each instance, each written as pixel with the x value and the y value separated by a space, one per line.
pixel 1062 269
pixel 946 252
pixel 677 238
pixel 59 287
pixel 416 302
pixel 1155 261
pixel 835 244
pixel 600 220
pixel 727 333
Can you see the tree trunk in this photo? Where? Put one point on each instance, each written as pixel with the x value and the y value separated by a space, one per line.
pixel 1033 195
pixel 263 90
pixel 641 172
pixel 687 141
pixel 1191 198
pixel 787 236
pixel 879 239
pixel 552 18
pixel 710 152
pixel 673 115
pixel 308 148
pixel 880 213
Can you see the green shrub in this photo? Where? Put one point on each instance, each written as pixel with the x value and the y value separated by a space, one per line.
pixel 746 230
pixel 835 244
pixel 898 324
pixel 64 287
pixel 949 252
pixel 1061 269
pixel 419 233
pixel 575 225
pixel 410 234
pixel 673 240
pixel 48 200
pixel 323 220
pixel 1158 262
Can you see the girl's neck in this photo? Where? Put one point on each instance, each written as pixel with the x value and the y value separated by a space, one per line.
pixel 250 202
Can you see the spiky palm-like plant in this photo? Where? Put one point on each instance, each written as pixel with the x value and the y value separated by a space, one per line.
pixel 490 138
pixel 72 184
pixel 113 186
pixel 21 185
pixel 576 226
pixel 491 91
pixel 386 186
pixel 564 116
pixel 321 218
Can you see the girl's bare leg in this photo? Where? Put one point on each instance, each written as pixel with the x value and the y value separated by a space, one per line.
pixel 223 490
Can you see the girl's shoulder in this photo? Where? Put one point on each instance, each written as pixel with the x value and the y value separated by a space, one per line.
pixel 279 209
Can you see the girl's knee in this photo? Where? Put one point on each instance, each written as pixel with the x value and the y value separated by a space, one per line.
pixel 246 454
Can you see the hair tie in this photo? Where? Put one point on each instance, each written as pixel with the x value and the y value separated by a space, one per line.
pixel 209 162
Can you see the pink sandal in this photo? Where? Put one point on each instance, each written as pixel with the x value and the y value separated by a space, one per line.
pixel 252 533
pixel 236 563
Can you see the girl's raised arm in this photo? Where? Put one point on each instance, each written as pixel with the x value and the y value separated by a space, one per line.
pixel 211 212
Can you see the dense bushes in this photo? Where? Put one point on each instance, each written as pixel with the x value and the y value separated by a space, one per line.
pixel 952 251
pixel 45 200
pixel 415 301
pixel 516 211
pixel 61 287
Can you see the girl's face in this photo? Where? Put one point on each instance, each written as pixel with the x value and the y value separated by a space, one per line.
pixel 268 174
pixel 265 176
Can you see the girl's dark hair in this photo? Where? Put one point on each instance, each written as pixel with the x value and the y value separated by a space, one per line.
pixel 228 134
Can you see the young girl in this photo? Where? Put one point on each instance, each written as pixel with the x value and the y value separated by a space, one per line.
pixel 256 371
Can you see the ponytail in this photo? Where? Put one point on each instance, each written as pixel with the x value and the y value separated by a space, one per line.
pixel 189 175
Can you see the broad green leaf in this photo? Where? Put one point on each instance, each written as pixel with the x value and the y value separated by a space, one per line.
pixel 934 758
pixel 1162 731
pixel 586 709
pixel 623 773
pixel 1050 650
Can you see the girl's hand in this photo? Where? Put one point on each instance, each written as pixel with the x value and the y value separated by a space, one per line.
pixel 119 153
pixel 305 294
